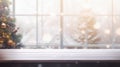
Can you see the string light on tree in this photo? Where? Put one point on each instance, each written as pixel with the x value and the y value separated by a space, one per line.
pixel 86 29
pixel 97 26
pixel 83 32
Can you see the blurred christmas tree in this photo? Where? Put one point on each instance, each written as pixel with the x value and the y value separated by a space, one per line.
pixel 8 37
pixel 86 29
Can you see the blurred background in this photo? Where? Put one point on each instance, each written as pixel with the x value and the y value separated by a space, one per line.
pixel 71 24
pixel 67 24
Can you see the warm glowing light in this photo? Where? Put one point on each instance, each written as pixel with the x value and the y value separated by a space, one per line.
pixel 47 38
pixel 83 32
pixel 97 26
pixel 107 31
pixel 107 46
pixel 118 31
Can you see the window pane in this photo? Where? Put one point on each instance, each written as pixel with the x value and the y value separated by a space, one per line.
pixel 69 32
pixel 117 31
pixel 116 7
pixel 25 6
pixel 98 6
pixel 49 36
pixel 11 7
pixel 27 26
pixel 49 6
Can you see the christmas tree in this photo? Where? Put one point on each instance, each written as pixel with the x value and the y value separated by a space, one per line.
pixel 8 37
pixel 86 31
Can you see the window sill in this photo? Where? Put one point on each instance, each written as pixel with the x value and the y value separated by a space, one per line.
pixel 62 55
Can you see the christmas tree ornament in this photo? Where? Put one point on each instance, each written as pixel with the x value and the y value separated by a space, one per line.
pixel 10 42
pixel 3 34
pixel 4 19
pixel 3 25
pixel 8 36
pixel 1 40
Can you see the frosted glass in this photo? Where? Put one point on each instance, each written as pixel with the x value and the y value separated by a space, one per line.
pixel 25 6
pixel 49 31
pixel 27 25
pixel 116 4
pixel 117 29
pixel 103 7
pixel 49 6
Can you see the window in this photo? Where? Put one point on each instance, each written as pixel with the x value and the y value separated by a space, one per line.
pixel 73 24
